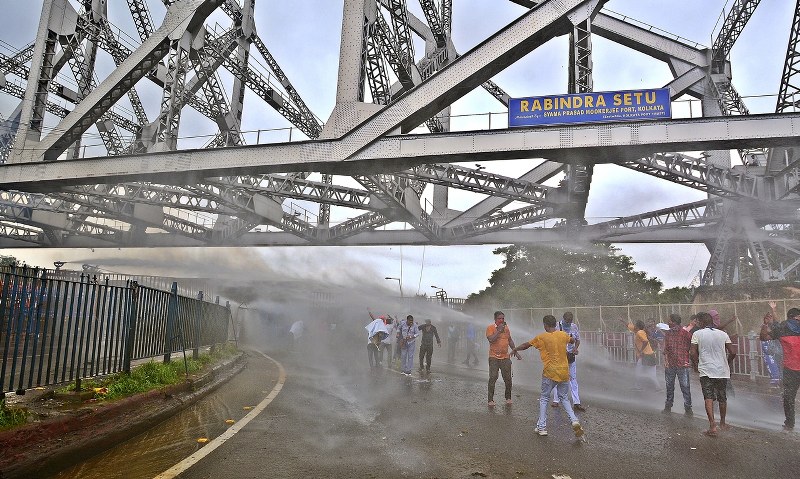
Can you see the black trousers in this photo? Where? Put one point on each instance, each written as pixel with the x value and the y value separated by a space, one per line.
pixel 503 366
pixel 791 381
pixel 425 353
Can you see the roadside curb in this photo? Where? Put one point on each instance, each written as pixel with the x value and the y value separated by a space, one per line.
pixel 44 447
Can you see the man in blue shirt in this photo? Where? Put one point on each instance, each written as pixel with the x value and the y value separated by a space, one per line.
pixel 408 334
pixel 469 337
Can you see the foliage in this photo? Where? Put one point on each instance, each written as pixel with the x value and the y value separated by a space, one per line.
pixel 7 260
pixel 151 375
pixel 11 417
pixel 549 276
pixel 676 295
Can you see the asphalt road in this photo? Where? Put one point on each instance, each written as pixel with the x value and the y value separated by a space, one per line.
pixel 335 418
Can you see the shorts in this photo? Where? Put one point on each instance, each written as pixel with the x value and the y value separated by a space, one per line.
pixel 714 388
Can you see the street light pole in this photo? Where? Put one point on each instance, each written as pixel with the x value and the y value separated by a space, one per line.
pixel 441 294
pixel 399 283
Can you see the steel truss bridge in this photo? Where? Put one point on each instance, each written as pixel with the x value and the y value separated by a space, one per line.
pixel 372 156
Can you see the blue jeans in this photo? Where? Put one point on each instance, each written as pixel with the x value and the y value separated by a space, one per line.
pixel 407 357
pixel 544 401
pixel 683 381
pixel 573 384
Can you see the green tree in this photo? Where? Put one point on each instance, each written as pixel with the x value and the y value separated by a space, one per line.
pixel 7 260
pixel 676 295
pixel 549 276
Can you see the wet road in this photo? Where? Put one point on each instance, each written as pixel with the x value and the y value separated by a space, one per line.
pixel 333 418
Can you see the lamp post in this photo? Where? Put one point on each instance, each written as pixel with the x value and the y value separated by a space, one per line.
pixel 399 283
pixel 441 294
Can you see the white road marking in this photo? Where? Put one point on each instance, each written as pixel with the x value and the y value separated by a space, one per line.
pixel 185 464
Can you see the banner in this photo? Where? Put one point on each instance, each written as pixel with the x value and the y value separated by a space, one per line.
pixel 629 105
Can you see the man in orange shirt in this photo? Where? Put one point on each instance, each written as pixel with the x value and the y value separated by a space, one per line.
pixel 499 336
pixel 552 346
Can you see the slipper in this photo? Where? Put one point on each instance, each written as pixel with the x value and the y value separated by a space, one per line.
pixel 710 433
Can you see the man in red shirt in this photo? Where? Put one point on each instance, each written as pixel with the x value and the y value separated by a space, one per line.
pixel 788 332
pixel 677 343
pixel 499 336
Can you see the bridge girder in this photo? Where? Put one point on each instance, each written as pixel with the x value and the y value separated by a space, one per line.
pixel 245 188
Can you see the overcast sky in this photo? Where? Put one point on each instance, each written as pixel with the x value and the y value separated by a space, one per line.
pixel 304 35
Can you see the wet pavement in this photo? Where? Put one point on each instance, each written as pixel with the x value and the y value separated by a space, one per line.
pixel 335 417
pixel 148 454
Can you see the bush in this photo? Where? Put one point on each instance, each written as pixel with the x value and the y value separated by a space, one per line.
pixel 151 375
pixel 11 417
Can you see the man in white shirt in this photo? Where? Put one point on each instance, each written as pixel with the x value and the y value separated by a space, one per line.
pixel 712 352
pixel 376 332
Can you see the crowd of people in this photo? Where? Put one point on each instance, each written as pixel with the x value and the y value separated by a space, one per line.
pixel 701 345
pixel 558 353
pixel 704 346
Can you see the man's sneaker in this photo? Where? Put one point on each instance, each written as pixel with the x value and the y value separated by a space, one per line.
pixel 787 427
pixel 578 407
pixel 666 410
pixel 687 411
pixel 491 404
pixel 541 432
pixel 576 426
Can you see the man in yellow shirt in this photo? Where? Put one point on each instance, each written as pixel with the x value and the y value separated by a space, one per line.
pixel 552 346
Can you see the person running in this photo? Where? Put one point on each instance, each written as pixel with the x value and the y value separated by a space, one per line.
pixel 426 344
pixel 499 336
pixel 568 325
pixel 713 352
pixel 788 333
pixel 677 343
pixel 408 335
pixel 552 346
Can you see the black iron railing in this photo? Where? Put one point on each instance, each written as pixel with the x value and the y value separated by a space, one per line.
pixel 55 330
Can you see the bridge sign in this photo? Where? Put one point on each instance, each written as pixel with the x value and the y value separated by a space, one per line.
pixel 590 107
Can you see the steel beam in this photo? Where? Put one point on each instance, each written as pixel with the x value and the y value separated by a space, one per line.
pixel 598 143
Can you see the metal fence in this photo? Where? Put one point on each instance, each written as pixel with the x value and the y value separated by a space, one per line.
pixel 55 330
pixel 601 326
pixel 749 362
pixel 747 316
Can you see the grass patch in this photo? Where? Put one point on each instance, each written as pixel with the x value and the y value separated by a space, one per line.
pixel 152 375
pixel 11 417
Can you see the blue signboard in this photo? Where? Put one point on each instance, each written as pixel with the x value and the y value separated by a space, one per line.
pixel 591 107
